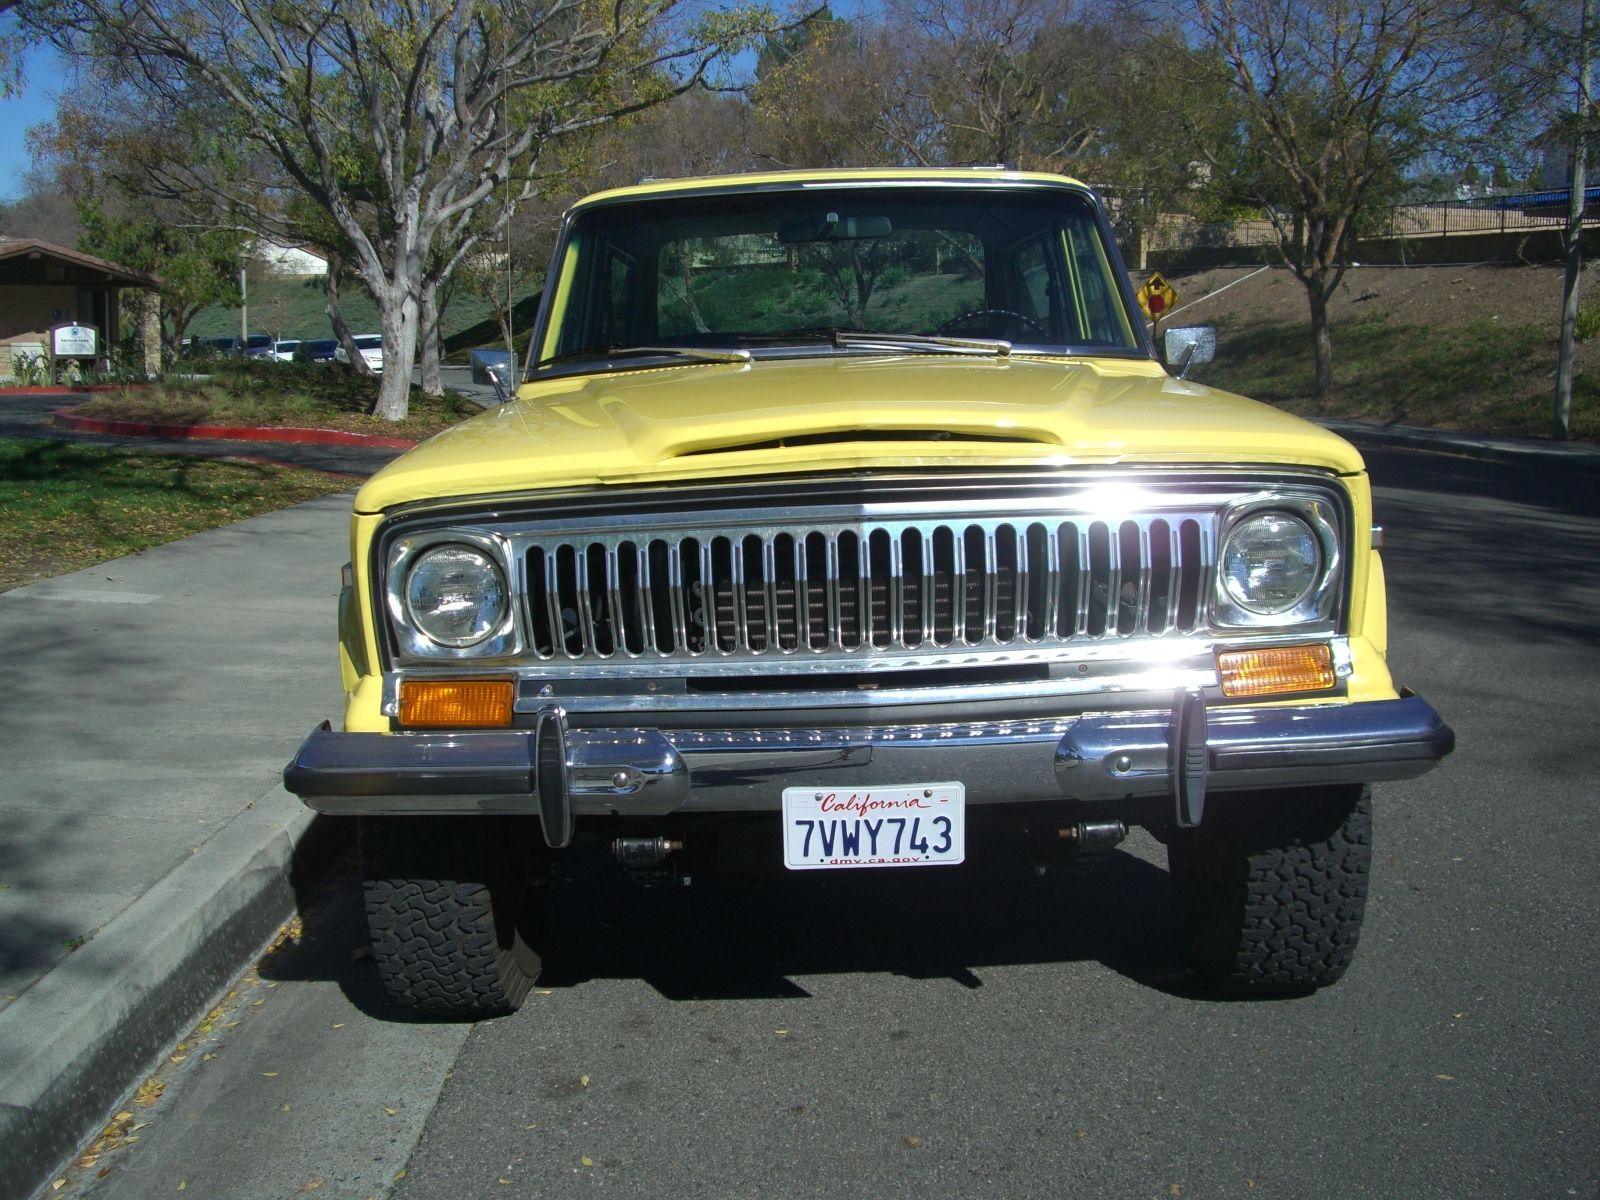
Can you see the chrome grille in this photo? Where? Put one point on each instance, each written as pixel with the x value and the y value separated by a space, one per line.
pixel 848 590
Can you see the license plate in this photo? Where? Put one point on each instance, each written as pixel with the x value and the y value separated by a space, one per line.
pixel 911 825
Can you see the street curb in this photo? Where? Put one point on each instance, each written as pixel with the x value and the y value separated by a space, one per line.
pixel 73 1045
pixel 1574 457
pixel 298 435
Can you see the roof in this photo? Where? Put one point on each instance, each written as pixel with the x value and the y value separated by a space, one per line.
pixel 837 175
pixel 29 261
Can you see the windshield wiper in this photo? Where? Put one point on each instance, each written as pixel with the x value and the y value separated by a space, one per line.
pixel 704 353
pixel 923 343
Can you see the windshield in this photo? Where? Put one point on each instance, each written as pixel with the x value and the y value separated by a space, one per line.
pixel 258 341
pixel 369 342
pixel 797 267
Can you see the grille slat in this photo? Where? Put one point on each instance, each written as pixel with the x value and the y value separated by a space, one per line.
pixel 848 590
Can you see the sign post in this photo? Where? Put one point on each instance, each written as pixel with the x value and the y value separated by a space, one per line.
pixel 71 343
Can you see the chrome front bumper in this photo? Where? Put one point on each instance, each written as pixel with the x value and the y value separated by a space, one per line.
pixel 1096 757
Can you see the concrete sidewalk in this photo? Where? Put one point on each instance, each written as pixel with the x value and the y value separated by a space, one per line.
pixel 145 840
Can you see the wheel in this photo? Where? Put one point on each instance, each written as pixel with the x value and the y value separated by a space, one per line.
pixel 456 910
pixel 1272 887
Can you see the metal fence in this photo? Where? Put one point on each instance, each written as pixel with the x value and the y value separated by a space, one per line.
pixel 1525 213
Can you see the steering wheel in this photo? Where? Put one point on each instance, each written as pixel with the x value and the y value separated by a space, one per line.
pixel 954 323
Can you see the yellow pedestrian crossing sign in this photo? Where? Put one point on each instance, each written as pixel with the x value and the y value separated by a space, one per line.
pixel 1157 297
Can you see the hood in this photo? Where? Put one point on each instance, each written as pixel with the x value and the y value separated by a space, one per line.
pixel 712 420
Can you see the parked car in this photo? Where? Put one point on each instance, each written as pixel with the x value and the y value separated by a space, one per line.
pixel 369 346
pixel 484 361
pixel 317 350
pixel 261 345
pixel 284 350
pixel 844 514
pixel 209 347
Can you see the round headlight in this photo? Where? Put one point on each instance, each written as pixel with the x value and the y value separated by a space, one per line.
pixel 1270 563
pixel 455 595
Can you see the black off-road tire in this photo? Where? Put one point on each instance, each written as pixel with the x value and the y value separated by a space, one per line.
pixel 457 911
pixel 1272 888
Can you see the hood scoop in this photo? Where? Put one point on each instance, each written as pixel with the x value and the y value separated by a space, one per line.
pixel 834 437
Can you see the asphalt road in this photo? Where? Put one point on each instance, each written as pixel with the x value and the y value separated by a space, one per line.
pixel 981 1032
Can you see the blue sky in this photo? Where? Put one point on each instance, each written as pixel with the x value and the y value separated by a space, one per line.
pixel 44 78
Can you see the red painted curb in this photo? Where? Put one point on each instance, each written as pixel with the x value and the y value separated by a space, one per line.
pixel 68 391
pixel 68 419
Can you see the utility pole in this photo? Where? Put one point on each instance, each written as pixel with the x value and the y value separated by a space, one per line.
pixel 1572 236
pixel 244 309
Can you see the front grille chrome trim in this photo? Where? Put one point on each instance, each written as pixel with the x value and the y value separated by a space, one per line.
pixel 993 597
pixel 853 587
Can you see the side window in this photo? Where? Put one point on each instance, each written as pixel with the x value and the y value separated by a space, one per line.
pixel 621 310
pixel 1038 287
pixel 1096 302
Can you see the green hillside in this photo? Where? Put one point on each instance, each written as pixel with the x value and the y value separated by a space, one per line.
pixel 293 308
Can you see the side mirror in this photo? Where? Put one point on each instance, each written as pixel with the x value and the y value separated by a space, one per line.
pixel 499 385
pixel 1190 346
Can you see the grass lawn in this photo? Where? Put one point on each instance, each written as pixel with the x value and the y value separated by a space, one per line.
pixel 64 505
pixel 1485 376
pixel 274 393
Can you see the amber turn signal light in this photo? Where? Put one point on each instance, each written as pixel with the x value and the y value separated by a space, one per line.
pixel 1275 670
pixel 456 703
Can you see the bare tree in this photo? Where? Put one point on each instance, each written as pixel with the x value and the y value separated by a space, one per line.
pixel 400 121
pixel 1548 100
pixel 1338 98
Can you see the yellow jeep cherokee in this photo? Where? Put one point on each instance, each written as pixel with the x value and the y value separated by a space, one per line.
pixel 837 514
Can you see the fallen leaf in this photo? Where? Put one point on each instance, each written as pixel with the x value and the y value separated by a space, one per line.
pixel 399 1175
pixel 178 1058
pixel 311 1185
pixel 583 1081
pixel 1445 1078
pixel 1460 1015
pixel 781 1032
pixel 340 1025
pixel 149 1092
pixel 269 1074
pixel 182 1184
pixel 1174 1190
pixel 545 991
pixel 123 1116
pixel 913 1143
pixel 585 1160
pixel 393 1112
pixel 504 1180
pixel 102 1172
pixel 58 1185
pixel 285 1108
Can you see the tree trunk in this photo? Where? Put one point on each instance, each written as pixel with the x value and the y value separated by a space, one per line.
pixel 1572 238
pixel 428 351
pixel 1321 341
pixel 397 313
pixel 341 330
